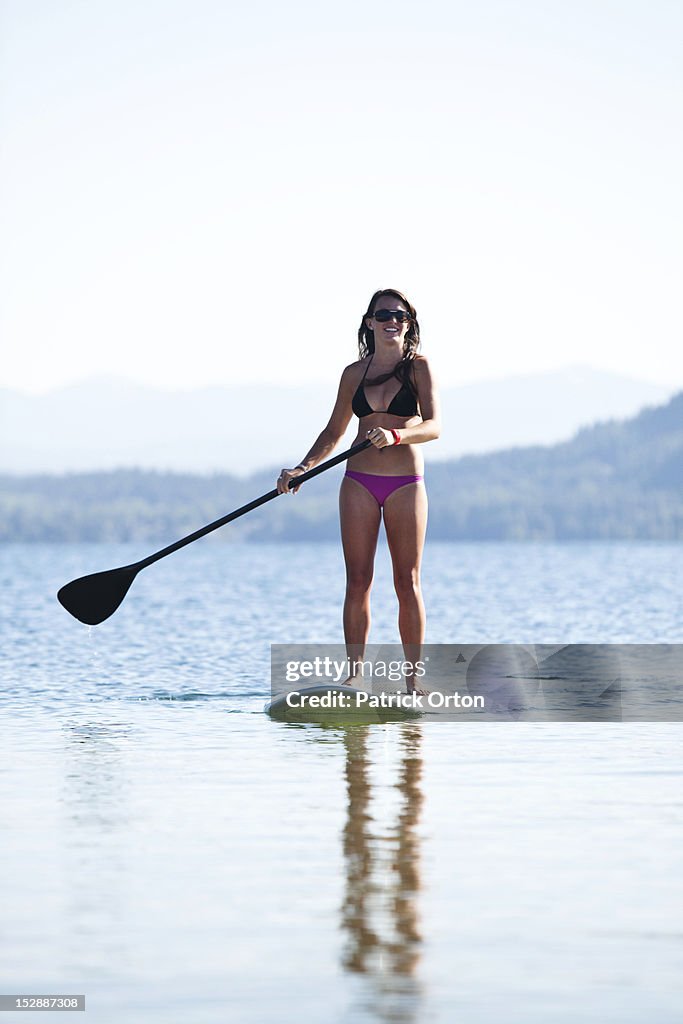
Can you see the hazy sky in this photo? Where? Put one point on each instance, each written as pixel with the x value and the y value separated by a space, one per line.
pixel 208 192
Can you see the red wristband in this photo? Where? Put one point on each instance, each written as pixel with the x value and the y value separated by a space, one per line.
pixel 397 436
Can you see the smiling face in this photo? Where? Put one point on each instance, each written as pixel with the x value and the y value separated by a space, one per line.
pixel 399 338
pixel 391 329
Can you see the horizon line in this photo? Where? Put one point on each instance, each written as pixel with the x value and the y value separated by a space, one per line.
pixel 121 379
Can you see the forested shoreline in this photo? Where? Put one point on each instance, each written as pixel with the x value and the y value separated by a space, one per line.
pixel 614 481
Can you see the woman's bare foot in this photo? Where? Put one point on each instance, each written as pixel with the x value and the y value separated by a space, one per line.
pixel 417 690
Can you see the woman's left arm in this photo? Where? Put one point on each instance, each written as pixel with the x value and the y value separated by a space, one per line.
pixel 427 394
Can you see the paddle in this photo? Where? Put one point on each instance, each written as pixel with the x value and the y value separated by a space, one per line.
pixel 92 599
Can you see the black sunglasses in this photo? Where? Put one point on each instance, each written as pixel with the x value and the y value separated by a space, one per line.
pixel 384 315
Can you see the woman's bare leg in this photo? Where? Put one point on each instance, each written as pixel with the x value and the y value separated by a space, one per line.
pixel 405 520
pixel 360 516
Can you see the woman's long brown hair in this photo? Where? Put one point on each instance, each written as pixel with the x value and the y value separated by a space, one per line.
pixel 411 342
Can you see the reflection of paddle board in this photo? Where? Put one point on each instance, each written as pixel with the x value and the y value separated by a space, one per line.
pixel 332 703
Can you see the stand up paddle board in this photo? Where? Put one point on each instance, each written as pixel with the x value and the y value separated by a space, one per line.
pixel 332 703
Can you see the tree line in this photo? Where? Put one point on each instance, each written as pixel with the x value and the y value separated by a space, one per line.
pixel 621 480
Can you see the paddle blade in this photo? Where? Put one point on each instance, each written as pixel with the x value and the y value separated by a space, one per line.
pixel 92 599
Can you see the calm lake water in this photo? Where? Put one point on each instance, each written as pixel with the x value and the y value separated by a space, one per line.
pixel 172 853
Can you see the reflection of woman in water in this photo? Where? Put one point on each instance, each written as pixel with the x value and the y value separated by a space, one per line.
pixel 391 391
pixel 379 914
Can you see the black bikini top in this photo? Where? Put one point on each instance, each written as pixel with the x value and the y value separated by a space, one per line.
pixel 404 402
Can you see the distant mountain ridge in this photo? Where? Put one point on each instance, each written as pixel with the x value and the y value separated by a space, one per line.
pixel 613 481
pixel 108 423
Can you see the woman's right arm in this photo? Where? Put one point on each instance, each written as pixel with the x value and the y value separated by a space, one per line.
pixel 329 438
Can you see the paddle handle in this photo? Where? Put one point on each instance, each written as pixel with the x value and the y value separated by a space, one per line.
pixel 330 462
pixel 216 525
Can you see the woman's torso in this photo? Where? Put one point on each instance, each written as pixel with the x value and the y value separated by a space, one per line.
pixel 373 404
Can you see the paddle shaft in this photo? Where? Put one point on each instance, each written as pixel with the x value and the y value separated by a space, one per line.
pixel 295 482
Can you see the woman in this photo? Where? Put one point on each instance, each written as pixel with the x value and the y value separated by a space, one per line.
pixel 391 390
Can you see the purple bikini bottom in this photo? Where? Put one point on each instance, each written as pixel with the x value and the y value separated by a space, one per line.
pixel 380 487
